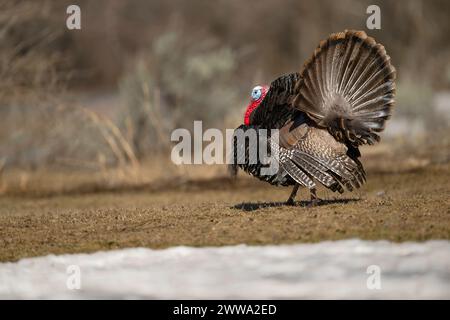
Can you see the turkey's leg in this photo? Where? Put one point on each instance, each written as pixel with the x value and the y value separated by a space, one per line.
pixel 291 201
pixel 314 199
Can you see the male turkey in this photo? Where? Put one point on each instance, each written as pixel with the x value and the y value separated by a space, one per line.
pixel 339 101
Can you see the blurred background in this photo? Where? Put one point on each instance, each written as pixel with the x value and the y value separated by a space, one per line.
pixel 94 108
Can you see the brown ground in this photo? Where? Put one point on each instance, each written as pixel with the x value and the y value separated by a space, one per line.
pixel 411 203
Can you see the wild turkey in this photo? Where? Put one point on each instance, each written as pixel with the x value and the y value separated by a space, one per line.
pixel 340 100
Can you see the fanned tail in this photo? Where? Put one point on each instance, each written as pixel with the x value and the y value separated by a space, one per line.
pixel 348 87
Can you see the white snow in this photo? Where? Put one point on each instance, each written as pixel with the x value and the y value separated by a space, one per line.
pixel 321 270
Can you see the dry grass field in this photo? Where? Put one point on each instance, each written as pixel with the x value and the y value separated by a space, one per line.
pixel 406 199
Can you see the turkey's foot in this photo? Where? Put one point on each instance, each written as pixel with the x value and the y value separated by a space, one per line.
pixel 291 200
pixel 315 201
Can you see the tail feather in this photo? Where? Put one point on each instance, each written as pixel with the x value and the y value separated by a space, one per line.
pixel 316 173
pixel 348 87
pixel 297 174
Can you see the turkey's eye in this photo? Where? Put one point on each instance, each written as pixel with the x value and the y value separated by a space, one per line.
pixel 256 93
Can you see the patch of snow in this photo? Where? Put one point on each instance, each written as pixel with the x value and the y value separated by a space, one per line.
pixel 321 270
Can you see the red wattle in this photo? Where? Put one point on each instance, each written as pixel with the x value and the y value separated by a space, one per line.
pixel 252 106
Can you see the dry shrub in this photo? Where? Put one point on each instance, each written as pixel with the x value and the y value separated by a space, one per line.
pixel 38 126
pixel 173 84
pixel 31 62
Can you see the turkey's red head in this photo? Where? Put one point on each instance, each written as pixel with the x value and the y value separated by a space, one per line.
pixel 258 94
